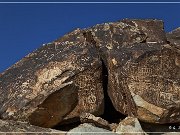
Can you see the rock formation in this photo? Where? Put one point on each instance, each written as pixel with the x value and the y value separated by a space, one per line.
pixel 62 82
pixel 54 83
pixel 130 125
pixel 143 69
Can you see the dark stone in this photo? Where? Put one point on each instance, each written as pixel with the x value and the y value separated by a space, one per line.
pixel 60 80
pixel 152 28
pixel 143 70
pixel 56 82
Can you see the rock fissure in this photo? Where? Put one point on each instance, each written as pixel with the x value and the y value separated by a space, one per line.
pixel 110 113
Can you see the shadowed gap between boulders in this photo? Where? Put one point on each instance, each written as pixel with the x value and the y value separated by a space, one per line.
pixel 110 113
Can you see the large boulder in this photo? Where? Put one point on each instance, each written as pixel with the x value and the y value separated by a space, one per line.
pixel 56 82
pixel 62 79
pixel 143 69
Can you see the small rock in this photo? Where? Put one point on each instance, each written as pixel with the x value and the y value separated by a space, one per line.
pixel 128 126
pixel 97 121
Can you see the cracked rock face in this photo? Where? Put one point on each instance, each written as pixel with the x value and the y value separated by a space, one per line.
pixel 62 79
pixel 147 84
pixel 55 82
pixel 143 69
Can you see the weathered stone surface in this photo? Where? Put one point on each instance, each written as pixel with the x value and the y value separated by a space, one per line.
pixel 62 79
pixel 153 80
pixel 97 121
pixel 152 29
pixel 174 37
pixel 58 81
pixel 24 128
pixel 143 70
pixel 130 125
pixel 151 76
pixel 89 129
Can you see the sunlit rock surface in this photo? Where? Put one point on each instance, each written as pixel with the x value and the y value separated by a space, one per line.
pixel 132 60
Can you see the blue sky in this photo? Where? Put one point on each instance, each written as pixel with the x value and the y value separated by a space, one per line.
pixel 25 27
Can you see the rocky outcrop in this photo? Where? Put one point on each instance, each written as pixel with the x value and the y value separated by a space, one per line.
pixel 54 83
pixel 63 81
pixel 143 70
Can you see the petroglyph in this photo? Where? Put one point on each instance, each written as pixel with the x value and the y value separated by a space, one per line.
pixel 89 93
pixel 32 82
pixel 62 79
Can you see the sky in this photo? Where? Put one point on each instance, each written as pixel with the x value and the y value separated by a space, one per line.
pixel 25 27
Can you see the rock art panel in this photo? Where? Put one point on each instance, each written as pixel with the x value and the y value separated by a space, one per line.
pixel 143 71
pixel 63 79
pixel 50 82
